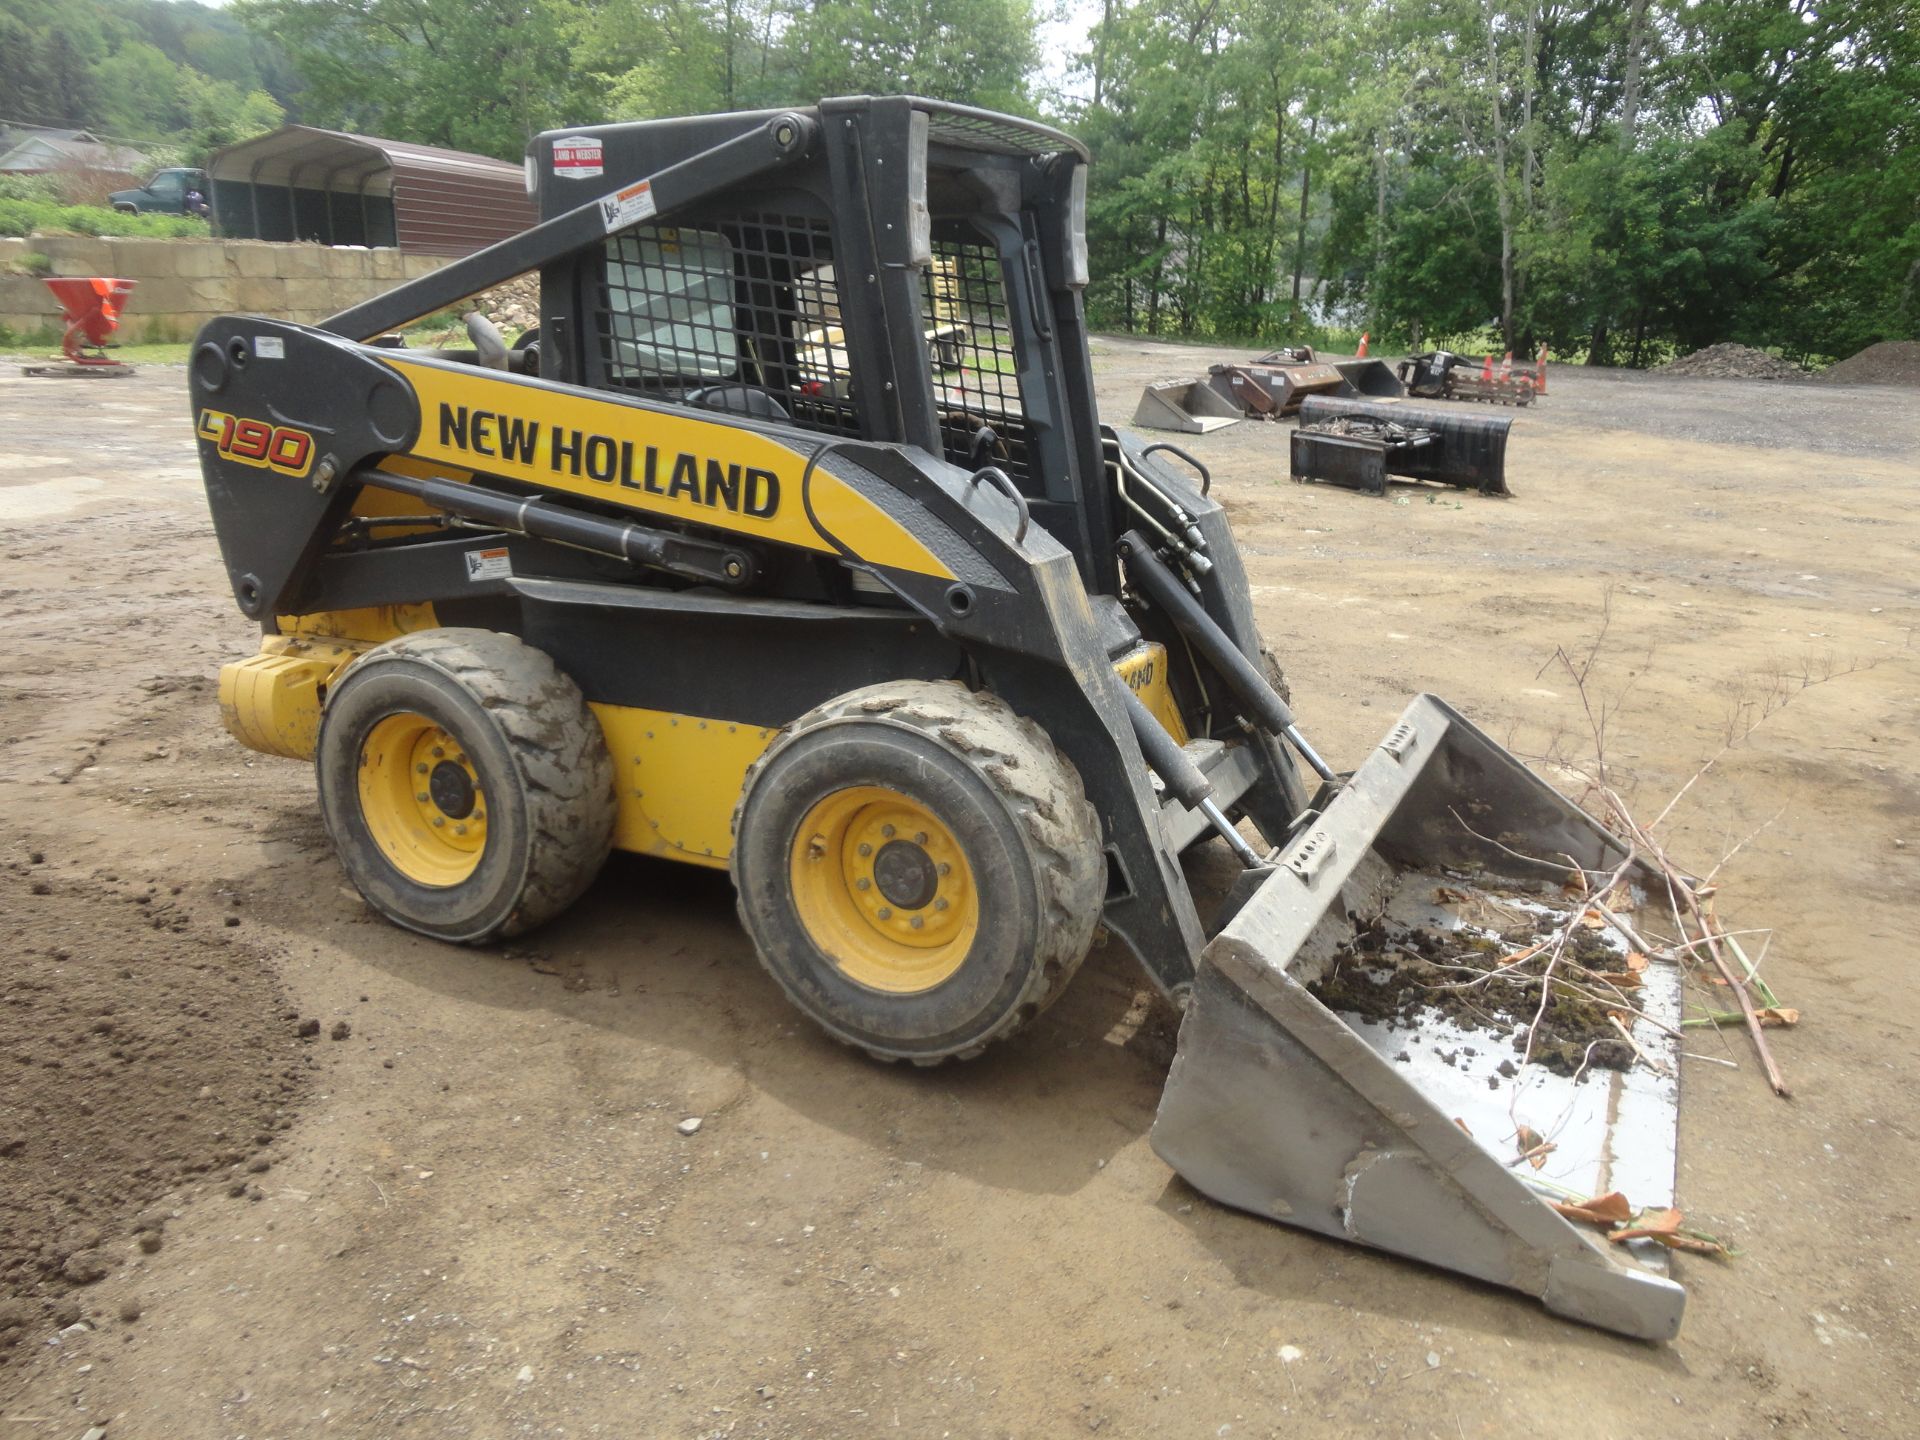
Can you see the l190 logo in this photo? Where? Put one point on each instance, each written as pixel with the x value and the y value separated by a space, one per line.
pixel 256 443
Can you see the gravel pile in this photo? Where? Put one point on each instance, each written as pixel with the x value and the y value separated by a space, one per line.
pixel 514 306
pixel 1891 362
pixel 1734 362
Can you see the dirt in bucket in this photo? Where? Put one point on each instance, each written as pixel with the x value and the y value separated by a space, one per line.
pixel 1406 979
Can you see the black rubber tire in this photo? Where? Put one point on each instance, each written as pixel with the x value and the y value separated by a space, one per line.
pixel 538 750
pixel 1019 812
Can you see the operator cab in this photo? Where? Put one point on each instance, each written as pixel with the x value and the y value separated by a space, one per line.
pixel 915 280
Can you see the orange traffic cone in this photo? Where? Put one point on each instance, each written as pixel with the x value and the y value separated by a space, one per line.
pixel 1506 367
pixel 1486 370
pixel 1363 344
pixel 1540 372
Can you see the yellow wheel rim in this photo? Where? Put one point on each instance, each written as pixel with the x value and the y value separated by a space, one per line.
pixel 421 799
pixel 884 890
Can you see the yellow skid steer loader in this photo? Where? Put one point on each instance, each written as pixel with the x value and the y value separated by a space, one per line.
pixel 946 674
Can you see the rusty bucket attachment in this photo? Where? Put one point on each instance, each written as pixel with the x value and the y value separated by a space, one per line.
pixel 1406 1141
pixel 1443 375
pixel 1186 406
pixel 1358 443
pixel 1276 383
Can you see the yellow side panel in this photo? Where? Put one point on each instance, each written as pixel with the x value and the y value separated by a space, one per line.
pixel 1145 672
pixel 373 624
pixel 678 777
pixel 682 466
pixel 271 702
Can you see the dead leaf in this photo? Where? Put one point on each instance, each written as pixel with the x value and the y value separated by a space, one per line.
pixel 1463 1127
pixel 1609 1209
pixel 1447 895
pixel 1534 1147
pixel 1527 954
pixel 1621 979
pixel 1778 1015
pixel 1636 962
pixel 1593 920
pixel 1652 1225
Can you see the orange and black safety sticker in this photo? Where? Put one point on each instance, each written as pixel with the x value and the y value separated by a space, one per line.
pixel 256 443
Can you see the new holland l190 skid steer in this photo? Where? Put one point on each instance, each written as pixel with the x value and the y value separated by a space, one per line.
pixel 945 672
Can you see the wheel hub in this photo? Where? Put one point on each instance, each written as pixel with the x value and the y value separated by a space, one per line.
pixel 884 889
pixel 421 799
pixel 905 874
pixel 451 789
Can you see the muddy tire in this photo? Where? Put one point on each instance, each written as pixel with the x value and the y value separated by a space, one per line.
pixel 919 869
pixel 465 783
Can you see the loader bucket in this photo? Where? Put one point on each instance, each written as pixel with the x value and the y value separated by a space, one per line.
pixel 1370 377
pixel 1186 406
pixel 1404 1140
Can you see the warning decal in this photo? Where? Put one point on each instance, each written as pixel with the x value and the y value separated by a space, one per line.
pixel 577 157
pixel 627 207
pixel 490 564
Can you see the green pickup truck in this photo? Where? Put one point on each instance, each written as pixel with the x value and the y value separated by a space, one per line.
pixel 169 192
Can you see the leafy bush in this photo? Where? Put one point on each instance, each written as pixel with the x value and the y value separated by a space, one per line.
pixel 26 217
pixel 29 187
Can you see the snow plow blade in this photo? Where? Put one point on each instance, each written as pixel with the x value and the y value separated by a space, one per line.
pixel 1404 1142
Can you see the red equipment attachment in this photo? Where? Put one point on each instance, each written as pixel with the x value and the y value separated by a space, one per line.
pixel 92 307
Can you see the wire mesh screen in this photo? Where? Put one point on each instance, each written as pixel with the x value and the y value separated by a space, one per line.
pixel 970 341
pixel 742 316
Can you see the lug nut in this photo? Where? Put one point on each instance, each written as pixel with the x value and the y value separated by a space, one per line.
pixel 916 922
pixel 884 913
pixel 422 796
pixel 941 903
pixel 438 753
pixel 863 883
pixel 944 867
pixel 420 769
pixel 887 830
pixel 865 849
pixel 438 821
pixel 920 838
pixel 459 829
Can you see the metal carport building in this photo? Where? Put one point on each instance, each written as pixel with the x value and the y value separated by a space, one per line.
pixel 304 183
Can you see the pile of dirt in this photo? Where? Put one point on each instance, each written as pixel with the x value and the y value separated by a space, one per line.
pixel 1734 362
pixel 138 1056
pixel 1891 362
pixel 1405 981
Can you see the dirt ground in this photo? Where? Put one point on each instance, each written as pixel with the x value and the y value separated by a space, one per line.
pixel 483 1222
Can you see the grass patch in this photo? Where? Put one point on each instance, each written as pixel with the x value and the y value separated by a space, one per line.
pixel 158 353
pixel 49 217
pixel 45 345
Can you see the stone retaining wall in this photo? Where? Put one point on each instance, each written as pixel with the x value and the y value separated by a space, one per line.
pixel 185 283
